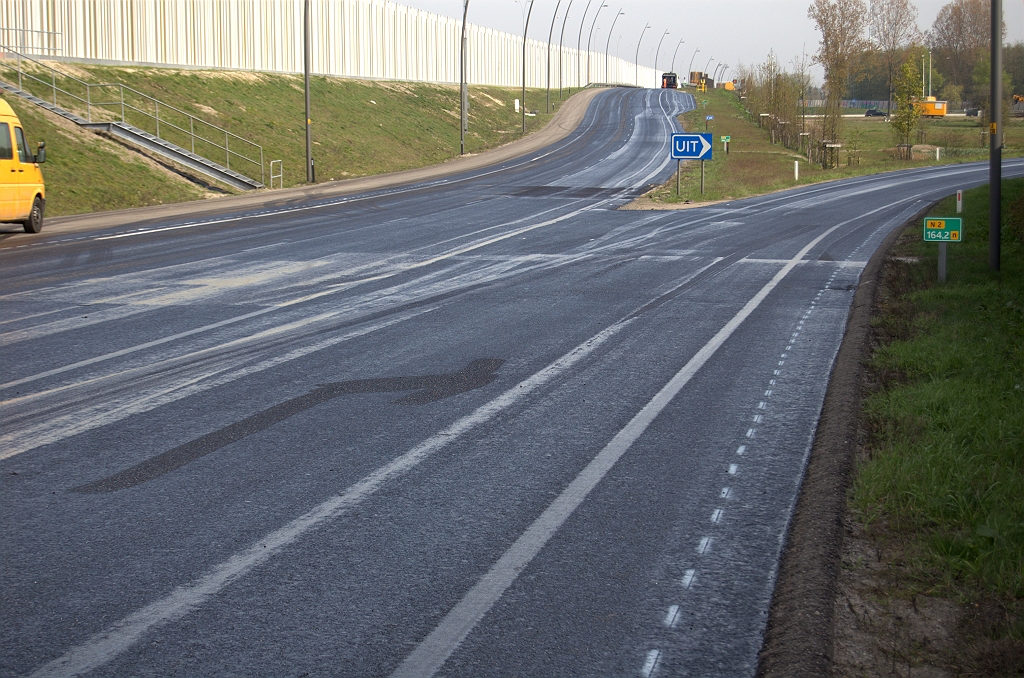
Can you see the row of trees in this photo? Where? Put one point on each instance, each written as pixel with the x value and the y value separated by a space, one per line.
pixel 872 49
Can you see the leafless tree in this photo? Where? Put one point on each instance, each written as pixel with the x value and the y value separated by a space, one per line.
pixel 959 37
pixel 892 27
pixel 841 24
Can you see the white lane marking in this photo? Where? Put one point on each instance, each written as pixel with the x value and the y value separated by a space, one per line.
pixel 733 468
pixel 672 616
pixel 433 652
pixel 758 418
pixel 651 663
pixel 704 545
pixel 104 646
pixel 750 433
pixel 688 577
pixel 762 405
pixel 726 493
pixel 716 516
pixel 741 449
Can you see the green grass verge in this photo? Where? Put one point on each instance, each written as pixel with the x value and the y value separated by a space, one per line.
pixel 87 173
pixel 755 166
pixel 944 481
pixel 360 128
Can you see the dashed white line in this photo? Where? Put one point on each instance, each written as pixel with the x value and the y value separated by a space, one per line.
pixel 741 449
pixel 726 493
pixel 688 577
pixel 750 433
pixel 716 516
pixel 651 663
pixel 733 468
pixel 704 545
pixel 672 616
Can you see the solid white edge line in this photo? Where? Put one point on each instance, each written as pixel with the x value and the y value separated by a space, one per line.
pixel 430 655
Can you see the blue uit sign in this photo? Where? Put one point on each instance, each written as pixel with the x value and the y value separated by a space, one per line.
pixel 692 146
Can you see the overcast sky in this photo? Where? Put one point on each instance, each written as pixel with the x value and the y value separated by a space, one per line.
pixel 728 31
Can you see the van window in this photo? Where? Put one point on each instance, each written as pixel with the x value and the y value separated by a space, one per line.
pixel 6 150
pixel 23 153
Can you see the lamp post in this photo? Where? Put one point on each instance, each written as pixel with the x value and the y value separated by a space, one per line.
pixel 526 27
pixel 658 53
pixel 579 46
pixel 636 61
pixel 550 33
pixel 705 71
pixel 608 43
pixel 463 85
pixel 689 69
pixel 310 172
pixel 675 53
pixel 591 37
pixel 561 49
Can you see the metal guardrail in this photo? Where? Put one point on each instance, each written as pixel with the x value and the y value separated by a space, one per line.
pixel 130 106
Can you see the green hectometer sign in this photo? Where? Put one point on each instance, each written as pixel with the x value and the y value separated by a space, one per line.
pixel 943 229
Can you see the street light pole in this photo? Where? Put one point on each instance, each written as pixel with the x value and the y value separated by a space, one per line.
pixel 675 53
pixel 689 69
pixel 525 29
pixel 705 71
pixel 591 37
pixel 463 85
pixel 636 61
pixel 658 53
pixel 579 46
pixel 561 50
pixel 608 43
pixel 310 173
pixel 550 33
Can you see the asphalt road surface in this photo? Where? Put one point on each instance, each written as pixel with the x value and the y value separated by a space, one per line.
pixel 484 426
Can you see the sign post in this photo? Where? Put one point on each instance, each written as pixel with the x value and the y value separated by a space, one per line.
pixel 693 147
pixel 943 230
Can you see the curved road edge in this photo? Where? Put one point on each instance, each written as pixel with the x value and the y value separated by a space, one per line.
pixel 562 124
pixel 799 635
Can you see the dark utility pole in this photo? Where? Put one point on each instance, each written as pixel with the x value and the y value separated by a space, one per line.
pixel 995 162
pixel 310 173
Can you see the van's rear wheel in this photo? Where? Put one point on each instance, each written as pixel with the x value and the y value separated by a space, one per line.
pixel 34 223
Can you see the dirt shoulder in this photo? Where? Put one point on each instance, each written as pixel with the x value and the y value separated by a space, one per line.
pixel 565 121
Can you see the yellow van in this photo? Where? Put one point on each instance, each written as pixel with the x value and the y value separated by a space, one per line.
pixel 22 191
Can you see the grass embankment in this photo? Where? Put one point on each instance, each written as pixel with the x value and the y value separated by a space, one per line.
pixel 755 166
pixel 360 128
pixel 940 491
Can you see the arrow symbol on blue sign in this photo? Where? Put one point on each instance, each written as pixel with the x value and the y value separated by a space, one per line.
pixel 692 147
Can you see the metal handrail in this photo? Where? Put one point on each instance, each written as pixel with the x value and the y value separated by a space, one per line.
pixel 123 106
